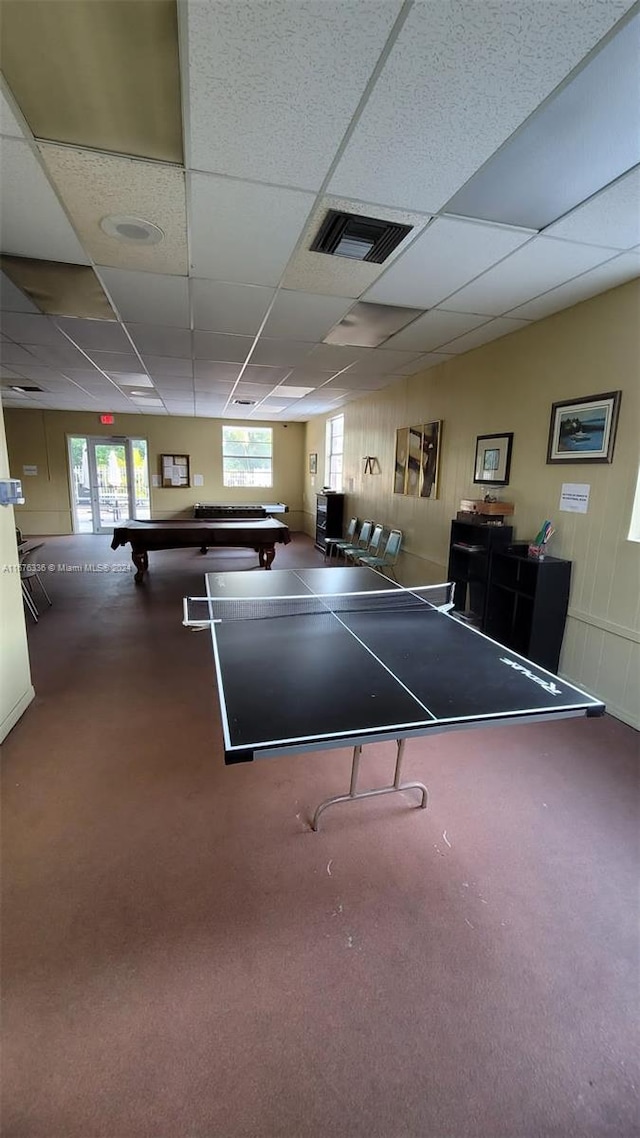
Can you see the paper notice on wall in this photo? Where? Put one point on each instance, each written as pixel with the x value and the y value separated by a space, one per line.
pixel 198 480
pixel 574 498
pixel 29 471
pixel 155 480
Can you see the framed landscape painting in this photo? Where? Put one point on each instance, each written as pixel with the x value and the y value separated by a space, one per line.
pixel 493 459
pixel 584 430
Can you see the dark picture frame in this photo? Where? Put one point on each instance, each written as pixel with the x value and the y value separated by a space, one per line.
pixel 417 461
pixel 313 464
pixel 493 459
pixel 584 430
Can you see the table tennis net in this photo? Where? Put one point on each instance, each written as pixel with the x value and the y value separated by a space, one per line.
pixel 200 611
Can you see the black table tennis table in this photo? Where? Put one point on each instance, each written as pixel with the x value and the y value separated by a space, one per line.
pixel 310 659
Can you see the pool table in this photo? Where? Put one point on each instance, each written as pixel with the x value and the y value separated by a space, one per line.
pixel 261 534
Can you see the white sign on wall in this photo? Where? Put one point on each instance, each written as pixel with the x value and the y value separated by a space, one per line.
pixel 574 498
pixel 29 470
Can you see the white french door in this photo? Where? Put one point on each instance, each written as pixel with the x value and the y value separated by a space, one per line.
pixel 109 481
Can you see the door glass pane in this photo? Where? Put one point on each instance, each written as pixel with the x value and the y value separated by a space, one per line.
pixel 80 485
pixel 113 493
pixel 141 496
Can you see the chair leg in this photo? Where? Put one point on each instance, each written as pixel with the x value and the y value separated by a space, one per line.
pixel 29 601
pixel 39 580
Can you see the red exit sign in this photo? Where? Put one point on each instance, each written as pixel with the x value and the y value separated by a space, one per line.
pixel 106 420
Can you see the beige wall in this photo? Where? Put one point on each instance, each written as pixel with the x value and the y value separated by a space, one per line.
pixel 39 438
pixel 16 691
pixel 510 385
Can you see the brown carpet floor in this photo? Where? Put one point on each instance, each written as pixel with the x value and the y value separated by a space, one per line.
pixel 184 958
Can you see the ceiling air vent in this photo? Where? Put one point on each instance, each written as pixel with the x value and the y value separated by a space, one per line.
pixel 245 402
pixel 359 238
pixel 23 387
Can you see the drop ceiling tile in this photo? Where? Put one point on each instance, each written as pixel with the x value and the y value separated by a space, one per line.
pixel 306 377
pixel 213 387
pixel 458 81
pixel 421 364
pixel 117 362
pixel 358 381
pixel 540 265
pixel 280 353
pixel 10 375
pixel 173 366
pixel 95 185
pixel 32 221
pixel 310 314
pixel 235 308
pixel 99 335
pixel 284 79
pixel 12 299
pixel 210 369
pixel 621 269
pixel 244 232
pixel 327 357
pixel 379 361
pixel 156 340
pixel 258 374
pixel 130 379
pixel 433 329
pixel 27 329
pixel 9 124
pixel 16 356
pixel 444 258
pixel 215 373
pixel 60 356
pixel 288 392
pixel 214 346
pixel 60 289
pixel 148 298
pixel 494 330
pixel 341 276
pixel 611 218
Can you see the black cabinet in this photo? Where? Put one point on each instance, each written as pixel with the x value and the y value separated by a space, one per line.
pixel 329 510
pixel 527 603
pixel 470 552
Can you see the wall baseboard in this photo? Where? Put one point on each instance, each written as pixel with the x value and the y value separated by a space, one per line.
pixel 16 712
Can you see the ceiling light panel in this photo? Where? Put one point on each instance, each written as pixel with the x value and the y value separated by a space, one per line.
pixel 612 218
pixel 94 186
pixel 338 276
pixel 235 308
pixel 280 116
pixel 579 141
pixel 625 267
pixel 459 80
pixel 292 392
pixel 101 75
pixel 243 232
pixel 60 289
pixel 435 328
pixel 310 314
pixel 32 221
pixel 368 325
pixel 445 256
pixel 148 298
pixel 540 265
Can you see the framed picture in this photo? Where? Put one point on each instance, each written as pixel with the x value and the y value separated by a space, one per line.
pixel 430 459
pixel 414 461
pixel 402 451
pixel 584 430
pixel 313 464
pixel 493 459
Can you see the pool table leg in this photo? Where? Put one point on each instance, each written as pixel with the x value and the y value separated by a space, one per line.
pixel 140 559
pixel 266 554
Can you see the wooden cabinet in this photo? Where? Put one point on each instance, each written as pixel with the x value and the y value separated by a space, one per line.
pixel 471 549
pixel 527 603
pixel 329 510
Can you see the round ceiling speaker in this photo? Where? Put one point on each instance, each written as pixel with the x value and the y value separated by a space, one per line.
pixel 135 230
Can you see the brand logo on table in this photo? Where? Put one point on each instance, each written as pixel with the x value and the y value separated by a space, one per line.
pixel 548 685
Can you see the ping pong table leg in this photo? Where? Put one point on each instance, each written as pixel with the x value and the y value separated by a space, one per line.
pixel 354 793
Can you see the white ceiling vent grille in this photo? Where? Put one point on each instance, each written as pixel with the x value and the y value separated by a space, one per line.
pixel 359 238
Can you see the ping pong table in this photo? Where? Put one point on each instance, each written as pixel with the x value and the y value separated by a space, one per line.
pixel 309 659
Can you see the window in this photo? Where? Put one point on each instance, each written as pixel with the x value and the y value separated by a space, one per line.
pixel 247 456
pixel 335 441
pixel 634 528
